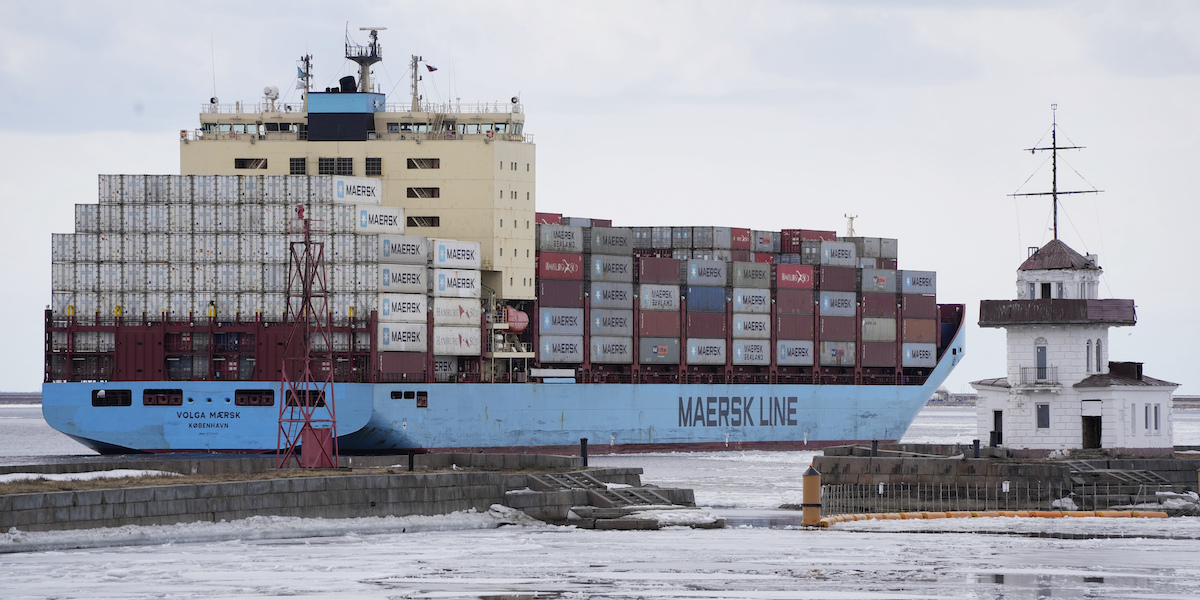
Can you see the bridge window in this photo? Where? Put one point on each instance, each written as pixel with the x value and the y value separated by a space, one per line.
pixel 1099 354
pixel 1089 356
pixel 393 128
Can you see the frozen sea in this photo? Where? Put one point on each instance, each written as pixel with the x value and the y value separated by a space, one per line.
pixel 761 554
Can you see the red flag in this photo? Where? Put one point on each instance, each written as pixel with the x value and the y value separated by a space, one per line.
pixel 431 68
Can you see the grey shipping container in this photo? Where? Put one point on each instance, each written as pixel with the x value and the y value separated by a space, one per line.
pixel 878 329
pixel 611 295
pixel 762 241
pixel 878 281
pixel 751 275
pixel 706 273
pixel 751 300
pixel 919 282
pixel 611 350
pixel 641 238
pixel 838 304
pixel 705 351
pixel 838 254
pixel 835 354
pixel 658 351
pixel 747 326
pixel 660 238
pixel 560 321
pixel 681 238
pixel 918 355
pixel 617 241
pixel 612 322
pixel 617 269
pixel 794 353
pixel 560 348
pixel 722 238
pixel 888 248
pixel 559 238
pixel 751 352
pixel 657 297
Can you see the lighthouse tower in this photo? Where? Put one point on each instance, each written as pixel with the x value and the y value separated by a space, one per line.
pixel 1062 392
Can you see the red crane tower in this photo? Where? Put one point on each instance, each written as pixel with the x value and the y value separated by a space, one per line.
pixel 307 419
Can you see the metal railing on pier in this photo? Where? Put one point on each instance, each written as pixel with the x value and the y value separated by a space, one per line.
pixel 1008 495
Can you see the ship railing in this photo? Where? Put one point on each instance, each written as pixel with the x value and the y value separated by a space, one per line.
pixel 497 107
pixel 1041 495
pixel 227 108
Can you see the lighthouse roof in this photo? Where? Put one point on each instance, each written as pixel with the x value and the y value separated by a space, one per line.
pixel 1057 255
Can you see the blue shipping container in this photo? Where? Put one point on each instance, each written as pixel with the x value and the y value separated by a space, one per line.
pixel 705 299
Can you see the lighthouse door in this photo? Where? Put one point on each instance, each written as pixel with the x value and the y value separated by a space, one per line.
pixel 1091 411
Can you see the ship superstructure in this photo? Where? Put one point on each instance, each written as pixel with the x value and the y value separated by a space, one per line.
pixel 458 316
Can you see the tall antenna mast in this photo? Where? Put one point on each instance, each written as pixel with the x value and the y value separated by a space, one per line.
pixel 416 76
pixel 365 56
pixel 1054 148
pixel 850 224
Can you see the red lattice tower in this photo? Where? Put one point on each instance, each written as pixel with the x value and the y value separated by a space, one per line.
pixel 307 419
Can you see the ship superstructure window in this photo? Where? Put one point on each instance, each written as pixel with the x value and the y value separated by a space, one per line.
pixel 425 192
pixel 393 128
pixel 112 398
pixel 374 166
pixel 297 166
pixel 345 166
pixel 307 398
pixel 162 398
pixel 325 166
pixel 424 163
pixel 254 397
pixel 424 221
pixel 249 163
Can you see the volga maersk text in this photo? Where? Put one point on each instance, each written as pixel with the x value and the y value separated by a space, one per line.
pixel 389 257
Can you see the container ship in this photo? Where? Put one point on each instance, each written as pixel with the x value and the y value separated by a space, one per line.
pixel 453 315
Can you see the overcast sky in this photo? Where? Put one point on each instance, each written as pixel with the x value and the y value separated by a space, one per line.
pixel 768 115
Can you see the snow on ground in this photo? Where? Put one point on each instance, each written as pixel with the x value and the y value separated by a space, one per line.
pixel 88 476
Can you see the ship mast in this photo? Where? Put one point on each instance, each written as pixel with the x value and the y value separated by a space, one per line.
pixel 365 56
pixel 416 76
pixel 1054 148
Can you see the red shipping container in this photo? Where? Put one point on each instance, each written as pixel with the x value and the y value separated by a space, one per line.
pixel 658 323
pixel 919 331
pixel 886 263
pixel 794 302
pixel 793 327
pixel 601 222
pixel 560 265
pixel 878 305
pixel 814 235
pixel 658 270
pixel 918 307
pixel 560 294
pixel 763 257
pixel 789 241
pixel 741 255
pixel 839 329
pixel 837 279
pixel 402 362
pixel 794 277
pixel 548 218
pixel 706 325
pixel 739 239
pixel 877 354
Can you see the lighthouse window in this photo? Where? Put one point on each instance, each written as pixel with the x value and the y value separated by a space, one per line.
pixel 1089 356
pixel 374 166
pixel 1043 416
pixel 1099 367
pixel 1147 419
pixel 345 166
pixel 1060 291
pixel 325 166
pixel 1156 406
pixel 297 166
pixel 1032 291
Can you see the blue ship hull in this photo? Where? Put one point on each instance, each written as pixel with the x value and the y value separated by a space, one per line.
pixel 521 417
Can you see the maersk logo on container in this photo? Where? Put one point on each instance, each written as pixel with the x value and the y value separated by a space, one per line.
pixel 560 320
pixel 455 283
pixel 755 325
pixel 918 281
pixel 613 294
pixel 366 219
pixel 836 252
pixel 562 348
pixel 400 248
pixel 613 322
pixel 918 353
pixel 611 267
pixel 401 278
pixel 445 254
pixel 611 348
pixel 612 240
pixel 753 299
pixel 790 351
pixel 829 302
pixel 707 350
pixel 356 191
pixel 404 336
pixel 705 271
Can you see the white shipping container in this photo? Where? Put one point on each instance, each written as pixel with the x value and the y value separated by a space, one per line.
pixel 456 311
pixel 250 248
pixel 919 282
pixel 133 276
pixel 453 254
pixel 342 306
pixel 133 218
pixel 366 277
pixel 403 307
pixel 86 341
pixel 705 351
pixel 204 305
pixel 204 218
pixel 87 247
pixel 274 278
pixel 753 327
pixel 366 247
pixel 110 189
pixel 250 189
pixel 85 306
pixel 110 218
pixel 320 189
pixel 559 348
pixel 456 341
pixel 227 189
pixel 229 277
pixel 274 218
pixel 228 218
pixel 179 218
pixel 366 302
pixel 751 352
pixel 401 337
pixel 133 305
pixel 58 339
pixel 321 216
pixel 180 248
pixel 158 218
pixel 402 249
pixel 133 247
pixel 380 219
pixel 297 188
pixel 180 306
pixel 87 276
pixel 357 190
pixel 658 297
pixel 133 189
pixel 204 277
pixel 275 189
pixel 108 304
pixel 204 248
pixel 918 355
pixel 455 283
pixel 87 218
pixel 180 189
pixel 180 277
pixel 110 246
pixel 343 249
pixel 794 353
pixel 250 218
pixel 227 305
pixel 878 329
pixel 275 248
pixel 611 350
pixel 62 276
pixel 158 247
pixel 62 247
pixel 342 218
pixel 273 307
pixel 751 300
pixel 157 303
pixel 250 305
pixel 404 279
pixel 341 278
pixel 838 304
pixel 110 277
pixel 158 277
pixel 250 277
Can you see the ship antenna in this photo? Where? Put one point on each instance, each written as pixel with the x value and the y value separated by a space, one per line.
pixel 850 224
pixel 416 76
pixel 365 56
pixel 1054 148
